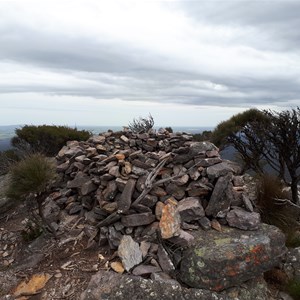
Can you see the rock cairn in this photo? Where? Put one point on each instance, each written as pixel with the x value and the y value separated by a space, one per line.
pixel 144 193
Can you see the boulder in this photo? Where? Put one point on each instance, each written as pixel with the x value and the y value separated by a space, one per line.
pixel 219 260
pixel 106 285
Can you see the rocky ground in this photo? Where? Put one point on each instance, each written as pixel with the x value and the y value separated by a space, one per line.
pixel 65 263
pixel 103 224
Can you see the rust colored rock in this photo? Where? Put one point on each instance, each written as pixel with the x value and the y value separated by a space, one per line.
pixel 170 221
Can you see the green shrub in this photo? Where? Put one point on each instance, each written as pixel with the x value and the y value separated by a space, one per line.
pixel 30 175
pixel 47 139
pixel 293 288
pixel 6 159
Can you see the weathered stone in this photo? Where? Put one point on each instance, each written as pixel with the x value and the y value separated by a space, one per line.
pixel 158 209
pixel 221 260
pixel 149 200
pixel 97 139
pixel 51 211
pixel 212 153
pixel 164 260
pixel 247 203
pixel 169 223
pixel 78 181
pixel 158 192
pixel 114 171
pixel 198 189
pixel 223 169
pixel 63 167
pixel 126 198
pixel 182 180
pixel 242 219
pixel 204 222
pixel 184 239
pixel 113 286
pixel 144 247
pixel 114 237
pixel 88 187
pixel 138 171
pixel 190 209
pixel 207 162
pixel 129 252
pixel 176 191
pixel 110 192
pixel 138 219
pixel 142 270
pixel 220 199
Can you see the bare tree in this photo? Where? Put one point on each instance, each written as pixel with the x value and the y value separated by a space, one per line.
pixel 275 141
pixel 141 125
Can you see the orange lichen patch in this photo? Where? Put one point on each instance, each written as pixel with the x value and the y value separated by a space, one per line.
pixel 257 254
pixel 169 223
pixel 32 287
pixel 218 287
pixel 232 271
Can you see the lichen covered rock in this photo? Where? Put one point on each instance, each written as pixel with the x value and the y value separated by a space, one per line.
pixel 219 260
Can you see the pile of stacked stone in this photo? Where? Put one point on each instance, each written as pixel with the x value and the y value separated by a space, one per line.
pixel 144 194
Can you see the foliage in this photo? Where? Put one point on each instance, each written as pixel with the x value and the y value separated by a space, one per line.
pixel 7 158
pixel 141 125
pixel 206 135
pixel 272 209
pixel 232 126
pixel 30 176
pixel 169 129
pixel 265 138
pixel 29 181
pixel 47 139
pixel 293 288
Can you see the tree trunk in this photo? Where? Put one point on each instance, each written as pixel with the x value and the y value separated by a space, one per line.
pixel 294 188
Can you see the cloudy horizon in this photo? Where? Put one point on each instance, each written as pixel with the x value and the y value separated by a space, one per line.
pixel 192 63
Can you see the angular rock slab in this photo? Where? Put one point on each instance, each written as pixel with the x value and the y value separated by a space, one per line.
pixel 129 252
pixel 221 260
pixel 106 285
pixel 113 286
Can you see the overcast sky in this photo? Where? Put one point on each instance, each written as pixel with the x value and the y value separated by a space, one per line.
pixel 192 63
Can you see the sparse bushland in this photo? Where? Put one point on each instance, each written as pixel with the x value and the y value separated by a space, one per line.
pixel 29 181
pixel 276 209
pixel 206 135
pixel 293 288
pixel 141 125
pixel 265 138
pixel 46 139
pixel 7 158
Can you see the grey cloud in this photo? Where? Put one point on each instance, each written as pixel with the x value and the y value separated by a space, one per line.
pixel 106 69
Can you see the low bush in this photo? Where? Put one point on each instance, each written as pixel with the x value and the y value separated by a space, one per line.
pixel 47 139
pixel 7 158
pixel 293 288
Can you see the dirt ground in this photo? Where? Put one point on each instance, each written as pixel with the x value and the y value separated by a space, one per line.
pixel 65 262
